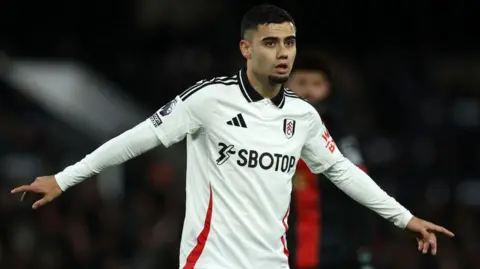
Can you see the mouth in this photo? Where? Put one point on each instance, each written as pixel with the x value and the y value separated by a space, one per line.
pixel 281 68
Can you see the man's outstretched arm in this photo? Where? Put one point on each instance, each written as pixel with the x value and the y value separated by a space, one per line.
pixel 361 188
pixel 183 115
pixel 321 155
pixel 120 149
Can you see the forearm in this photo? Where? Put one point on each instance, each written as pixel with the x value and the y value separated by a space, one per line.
pixel 122 148
pixel 360 187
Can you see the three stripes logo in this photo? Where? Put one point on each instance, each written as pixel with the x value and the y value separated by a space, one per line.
pixel 237 121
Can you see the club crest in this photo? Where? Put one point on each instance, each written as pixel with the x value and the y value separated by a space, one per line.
pixel 289 127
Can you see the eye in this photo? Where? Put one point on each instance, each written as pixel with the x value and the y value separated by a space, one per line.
pixel 290 43
pixel 270 44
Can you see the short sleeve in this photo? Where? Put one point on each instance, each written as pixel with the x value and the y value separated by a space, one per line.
pixel 320 151
pixel 180 117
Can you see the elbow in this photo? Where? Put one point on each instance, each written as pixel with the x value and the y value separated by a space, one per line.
pixel 340 172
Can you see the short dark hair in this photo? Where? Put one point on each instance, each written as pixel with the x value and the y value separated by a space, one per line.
pixel 263 14
pixel 314 62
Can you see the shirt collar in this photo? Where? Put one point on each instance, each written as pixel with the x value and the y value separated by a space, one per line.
pixel 252 95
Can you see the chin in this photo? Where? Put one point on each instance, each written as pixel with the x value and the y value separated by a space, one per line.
pixel 278 79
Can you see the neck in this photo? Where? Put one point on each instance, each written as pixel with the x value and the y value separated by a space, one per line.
pixel 263 86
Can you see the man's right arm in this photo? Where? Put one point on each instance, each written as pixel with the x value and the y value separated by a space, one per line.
pixel 170 124
pixel 122 148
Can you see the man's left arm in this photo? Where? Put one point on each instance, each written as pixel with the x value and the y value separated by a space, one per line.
pixel 360 187
pixel 322 155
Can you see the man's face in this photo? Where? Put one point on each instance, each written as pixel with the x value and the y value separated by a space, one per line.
pixel 311 85
pixel 271 50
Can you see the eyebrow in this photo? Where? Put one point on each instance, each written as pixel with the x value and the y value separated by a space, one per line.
pixel 276 38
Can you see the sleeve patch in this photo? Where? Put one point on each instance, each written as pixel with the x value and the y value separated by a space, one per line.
pixel 167 109
pixel 155 119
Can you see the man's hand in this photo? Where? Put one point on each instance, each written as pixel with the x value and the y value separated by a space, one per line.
pixel 425 233
pixel 47 186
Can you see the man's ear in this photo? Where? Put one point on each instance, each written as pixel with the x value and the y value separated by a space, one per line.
pixel 246 49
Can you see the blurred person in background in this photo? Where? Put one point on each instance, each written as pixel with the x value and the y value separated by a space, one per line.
pixel 311 79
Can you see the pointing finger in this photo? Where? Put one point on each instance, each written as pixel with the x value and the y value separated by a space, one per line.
pixel 24 188
pixel 444 231
pixel 439 229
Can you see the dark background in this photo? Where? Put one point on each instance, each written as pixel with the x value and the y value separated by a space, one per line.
pixel 407 76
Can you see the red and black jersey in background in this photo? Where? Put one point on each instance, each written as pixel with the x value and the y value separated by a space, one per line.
pixel 320 214
pixel 317 219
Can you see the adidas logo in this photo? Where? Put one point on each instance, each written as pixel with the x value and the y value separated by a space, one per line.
pixel 237 121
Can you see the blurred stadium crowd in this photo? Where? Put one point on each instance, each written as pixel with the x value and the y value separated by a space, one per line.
pixel 414 105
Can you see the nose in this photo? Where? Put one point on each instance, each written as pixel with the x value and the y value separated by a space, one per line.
pixel 282 52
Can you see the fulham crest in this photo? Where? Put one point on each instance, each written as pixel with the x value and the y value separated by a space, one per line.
pixel 289 127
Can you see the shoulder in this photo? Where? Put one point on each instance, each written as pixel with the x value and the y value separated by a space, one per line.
pixel 209 88
pixel 300 104
pixel 297 101
pixel 292 95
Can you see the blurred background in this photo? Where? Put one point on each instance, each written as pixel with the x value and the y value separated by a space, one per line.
pixel 75 73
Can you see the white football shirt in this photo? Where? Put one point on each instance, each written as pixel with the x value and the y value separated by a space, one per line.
pixel 242 150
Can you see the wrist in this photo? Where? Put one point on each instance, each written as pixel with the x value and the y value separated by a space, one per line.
pixel 62 181
pixel 405 219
